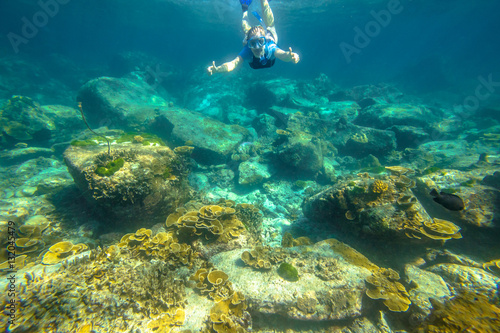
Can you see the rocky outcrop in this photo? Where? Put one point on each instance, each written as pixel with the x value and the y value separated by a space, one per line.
pixel 133 105
pixel 329 287
pixel 135 184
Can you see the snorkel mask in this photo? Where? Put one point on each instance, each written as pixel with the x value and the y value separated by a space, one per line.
pixel 257 42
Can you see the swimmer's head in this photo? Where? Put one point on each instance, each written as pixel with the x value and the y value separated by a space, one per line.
pixel 256 40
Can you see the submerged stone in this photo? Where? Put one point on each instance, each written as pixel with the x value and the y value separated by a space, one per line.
pixel 133 189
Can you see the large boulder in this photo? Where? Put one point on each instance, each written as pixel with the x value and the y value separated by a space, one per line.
pixel 134 186
pixel 130 104
pixel 359 142
pixel 383 207
pixel 301 153
pixel 481 201
pixel 382 116
pixel 330 284
pixel 23 120
pixel 213 140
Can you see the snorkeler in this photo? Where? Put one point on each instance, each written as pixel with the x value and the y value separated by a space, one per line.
pixel 261 49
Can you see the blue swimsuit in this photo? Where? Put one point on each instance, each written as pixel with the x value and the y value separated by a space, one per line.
pixel 266 61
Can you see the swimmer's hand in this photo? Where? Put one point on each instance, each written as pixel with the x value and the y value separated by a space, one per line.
pixel 294 57
pixel 212 69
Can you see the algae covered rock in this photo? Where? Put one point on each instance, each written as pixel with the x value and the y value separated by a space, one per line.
pixel 301 152
pixel 382 116
pixel 425 286
pixel 330 283
pixel 213 140
pixel 252 172
pixel 481 201
pixel 129 186
pixel 358 141
pixel 383 207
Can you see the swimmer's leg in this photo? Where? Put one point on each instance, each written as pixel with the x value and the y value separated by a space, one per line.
pixel 245 25
pixel 269 18
pixel 267 13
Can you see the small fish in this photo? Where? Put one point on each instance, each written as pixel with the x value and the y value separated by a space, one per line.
pixel 21 145
pixel 447 200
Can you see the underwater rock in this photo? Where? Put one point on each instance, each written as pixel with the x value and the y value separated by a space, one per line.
pixel 455 154
pixel 67 121
pixel 23 120
pixel 120 102
pixel 213 140
pixel 492 180
pixel 359 142
pixel 425 285
pixel 252 172
pixel 312 297
pixel 383 208
pixel 468 279
pixel 20 155
pixel 133 104
pixel 409 136
pixel 150 182
pixel 382 116
pixel 481 202
pixel 382 93
pixel 301 153
pixel 335 110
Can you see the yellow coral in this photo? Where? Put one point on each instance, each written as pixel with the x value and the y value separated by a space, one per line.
pixel 162 246
pixel 379 186
pixel 59 251
pixel 184 150
pixel 360 138
pixel 210 220
pixel 263 257
pixel 382 284
pixel 213 282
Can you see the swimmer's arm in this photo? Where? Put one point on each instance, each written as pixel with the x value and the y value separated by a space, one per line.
pixel 225 67
pixel 286 55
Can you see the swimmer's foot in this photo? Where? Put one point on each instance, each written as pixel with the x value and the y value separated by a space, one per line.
pixel 245 4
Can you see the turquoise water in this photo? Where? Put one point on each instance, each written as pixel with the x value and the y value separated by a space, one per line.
pixel 138 193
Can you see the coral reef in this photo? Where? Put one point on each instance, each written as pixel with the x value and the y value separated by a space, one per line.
pixel 289 241
pixel 385 206
pixel 228 313
pixel 383 284
pixel 61 251
pixel 108 293
pixel 461 313
pixel 263 257
pixel 162 246
pixel 213 222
